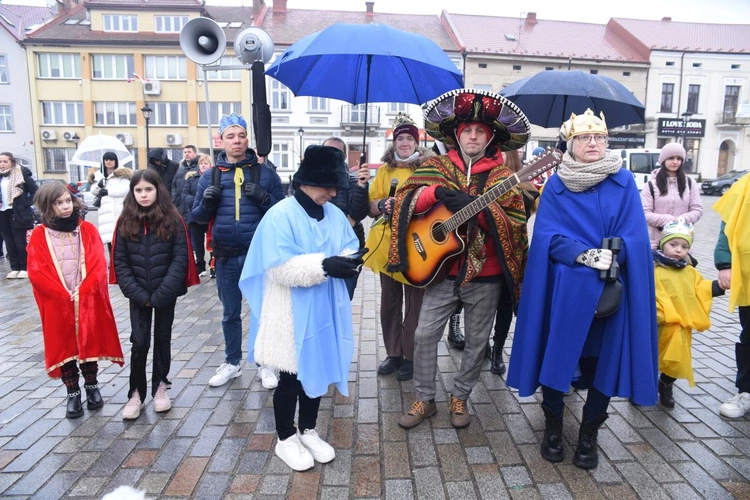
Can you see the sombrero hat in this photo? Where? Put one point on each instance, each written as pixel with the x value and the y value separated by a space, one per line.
pixel 510 126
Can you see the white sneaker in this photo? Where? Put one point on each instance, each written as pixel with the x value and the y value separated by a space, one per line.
pixel 224 374
pixel 321 451
pixel 132 408
pixel 268 377
pixel 736 406
pixel 203 274
pixel 13 275
pixel 22 274
pixel 294 454
pixel 161 400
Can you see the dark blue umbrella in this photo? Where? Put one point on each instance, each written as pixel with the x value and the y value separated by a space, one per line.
pixel 548 98
pixel 363 63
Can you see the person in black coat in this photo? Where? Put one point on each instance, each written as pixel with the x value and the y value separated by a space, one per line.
pixel 159 161
pixel 188 164
pixel 197 230
pixel 17 190
pixel 150 264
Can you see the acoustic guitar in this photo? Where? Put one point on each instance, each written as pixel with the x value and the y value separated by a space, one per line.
pixel 432 237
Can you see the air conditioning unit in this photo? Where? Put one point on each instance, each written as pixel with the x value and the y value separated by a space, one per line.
pixel 174 139
pixel 68 135
pixel 126 139
pixel 152 87
pixel 49 135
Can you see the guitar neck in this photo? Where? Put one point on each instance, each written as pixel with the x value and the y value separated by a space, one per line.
pixel 476 206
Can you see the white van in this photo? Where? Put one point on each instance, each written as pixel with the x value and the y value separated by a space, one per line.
pixel 640 162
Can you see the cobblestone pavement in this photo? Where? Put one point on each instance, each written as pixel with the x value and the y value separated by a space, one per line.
pixel 217 442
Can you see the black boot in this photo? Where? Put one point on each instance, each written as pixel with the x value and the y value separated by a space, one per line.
pixel 405 371
pixel 93 397
pixel 665 393
pixel 75 409
pixel 587 452
pixel 497 365
pixel 552 444
pixel 455 335
pixel 389 365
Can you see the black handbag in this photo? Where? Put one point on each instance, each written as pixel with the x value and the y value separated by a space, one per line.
pixel 98 201
pixel 609 301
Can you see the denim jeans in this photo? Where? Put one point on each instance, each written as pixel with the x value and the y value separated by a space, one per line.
pixel 228 270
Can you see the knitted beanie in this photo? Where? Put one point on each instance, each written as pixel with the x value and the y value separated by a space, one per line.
pixel 670 150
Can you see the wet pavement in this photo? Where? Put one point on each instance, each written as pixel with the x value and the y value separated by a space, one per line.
pixel 218 442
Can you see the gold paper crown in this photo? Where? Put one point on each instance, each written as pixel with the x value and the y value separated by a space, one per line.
pixel 587 123
pixel 402 119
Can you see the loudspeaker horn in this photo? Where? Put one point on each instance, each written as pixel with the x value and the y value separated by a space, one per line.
pixel 203 41
pixel 253 44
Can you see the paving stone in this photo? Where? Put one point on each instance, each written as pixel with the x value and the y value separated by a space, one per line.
pixel 619 492
pixel 683 491
pixel 396 460
pixel 342 435
pixel 44 470
pixel 29 436
pixel 211 486
pixel 515 476
pixel 503 448
pixel 460 491
pixel 366 477
pixel 253 462
pixel 226 457
pixel 701 481
pixel 245 483
pixel 87 487
pixel 82 461
pixel 334 493
pixel 639 479
pixel 398 489
pixel 489 482
pixel 154 483
pixel 709 462
pixel 305 485
pixel 580 483
pixel 338 472
pixel 273 485
pixel 207 441
pixel 261 442
pixel 422 451
pixel 428 483
pixel 554 491
pixel 541 470
pixel 33 455
pixel 367 411
pixel 193 424
pixel 58 485
pixel 669 450
pixel 159 434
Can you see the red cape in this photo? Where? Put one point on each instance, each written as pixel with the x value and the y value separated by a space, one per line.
pixel 191 278
pixel 96 336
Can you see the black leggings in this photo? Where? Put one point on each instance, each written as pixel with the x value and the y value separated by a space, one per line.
pixel 285 403
pixel 140 322
pixel 596 402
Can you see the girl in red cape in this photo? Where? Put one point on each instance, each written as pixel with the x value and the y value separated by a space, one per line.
pixel 153 263
pixel 68 273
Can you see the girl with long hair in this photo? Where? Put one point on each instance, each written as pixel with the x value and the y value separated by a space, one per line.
pixel 17 189
pixel 68 273
pixel 153 264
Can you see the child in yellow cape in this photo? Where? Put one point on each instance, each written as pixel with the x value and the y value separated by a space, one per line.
pixel 683 302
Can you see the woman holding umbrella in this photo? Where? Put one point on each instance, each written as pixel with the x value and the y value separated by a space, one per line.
pixel 401 159
pixel 588 203
pixel 111 189
pixel 17 189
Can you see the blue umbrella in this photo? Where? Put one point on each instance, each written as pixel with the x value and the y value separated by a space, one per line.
pixel 548 98
pixel 363 63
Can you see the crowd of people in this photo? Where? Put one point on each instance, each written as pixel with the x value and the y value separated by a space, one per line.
pixel 621 260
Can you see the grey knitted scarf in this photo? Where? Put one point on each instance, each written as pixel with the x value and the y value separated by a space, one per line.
pixel 580 176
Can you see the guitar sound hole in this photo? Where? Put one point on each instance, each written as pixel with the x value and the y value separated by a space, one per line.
pixel 437 232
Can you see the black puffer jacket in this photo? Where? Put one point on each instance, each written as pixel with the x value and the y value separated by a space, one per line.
pixel 150 269
pixel 189 190
pixel 23 215
pixel 178 183
pixel 166 170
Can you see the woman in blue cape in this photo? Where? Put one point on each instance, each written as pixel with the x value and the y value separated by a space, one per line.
pixel 300 313
pixel 557 333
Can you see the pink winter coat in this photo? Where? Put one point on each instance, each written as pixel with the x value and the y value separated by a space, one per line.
pixel 670 206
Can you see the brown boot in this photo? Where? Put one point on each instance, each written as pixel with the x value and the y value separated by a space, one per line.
pixel 460 417
pixel 420 410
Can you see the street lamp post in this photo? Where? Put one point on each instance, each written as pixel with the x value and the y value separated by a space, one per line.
pixel 75 140
pixel 685 119
pixel 147 111
pixel 300 133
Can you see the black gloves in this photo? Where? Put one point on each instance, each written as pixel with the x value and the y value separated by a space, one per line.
pixel 211 198
pixel 103 192
pixel 453 200
pixel 256 193
pixel 342 267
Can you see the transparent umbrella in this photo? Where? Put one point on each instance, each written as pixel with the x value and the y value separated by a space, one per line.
pixel 93 147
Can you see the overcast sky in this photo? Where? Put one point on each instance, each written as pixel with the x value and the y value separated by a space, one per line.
pixel 589 11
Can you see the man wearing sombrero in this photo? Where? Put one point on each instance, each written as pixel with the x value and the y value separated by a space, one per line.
pixel 482 125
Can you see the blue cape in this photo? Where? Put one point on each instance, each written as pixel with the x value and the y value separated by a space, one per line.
pixel 556 324
pixel 322 313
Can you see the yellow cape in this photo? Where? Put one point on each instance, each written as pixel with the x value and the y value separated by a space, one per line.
pixel 734 208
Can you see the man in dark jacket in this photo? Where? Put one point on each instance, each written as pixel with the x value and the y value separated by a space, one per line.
pixel 235 215
pixel 189 163
pixel 166 168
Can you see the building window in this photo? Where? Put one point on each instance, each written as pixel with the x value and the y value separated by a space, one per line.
pixel 224 74
pixel 670 63
pixel 548 68
pixel 59 65
pixel 169 113
pixel 594 71
pixel 170 24
pixel 280 96
pixel 281 156
pixel 482 65
pixel 112 67
pixel 6 118
pixel 165 67
pixel 117 22
pixel 731 98
pixel 56 159
pixel 692 98
pixel 218 109
pixel 667 93
pixel 4 75
pixel 736 66
pixel 488 88
pixel 516 67
pixel 626 73
pixel 697 65
pixel 397 107
pixel 115 113
pixel 62 113
pixel 318 104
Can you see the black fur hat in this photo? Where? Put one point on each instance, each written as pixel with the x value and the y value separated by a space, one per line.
pixel 322 166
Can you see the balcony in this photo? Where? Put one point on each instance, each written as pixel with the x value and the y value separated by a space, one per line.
pixel 353 117
pixel 728 120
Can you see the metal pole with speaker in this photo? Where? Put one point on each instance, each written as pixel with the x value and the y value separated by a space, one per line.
pixel 203 42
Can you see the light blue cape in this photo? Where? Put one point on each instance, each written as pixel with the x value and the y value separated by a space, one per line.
pixel 322 313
